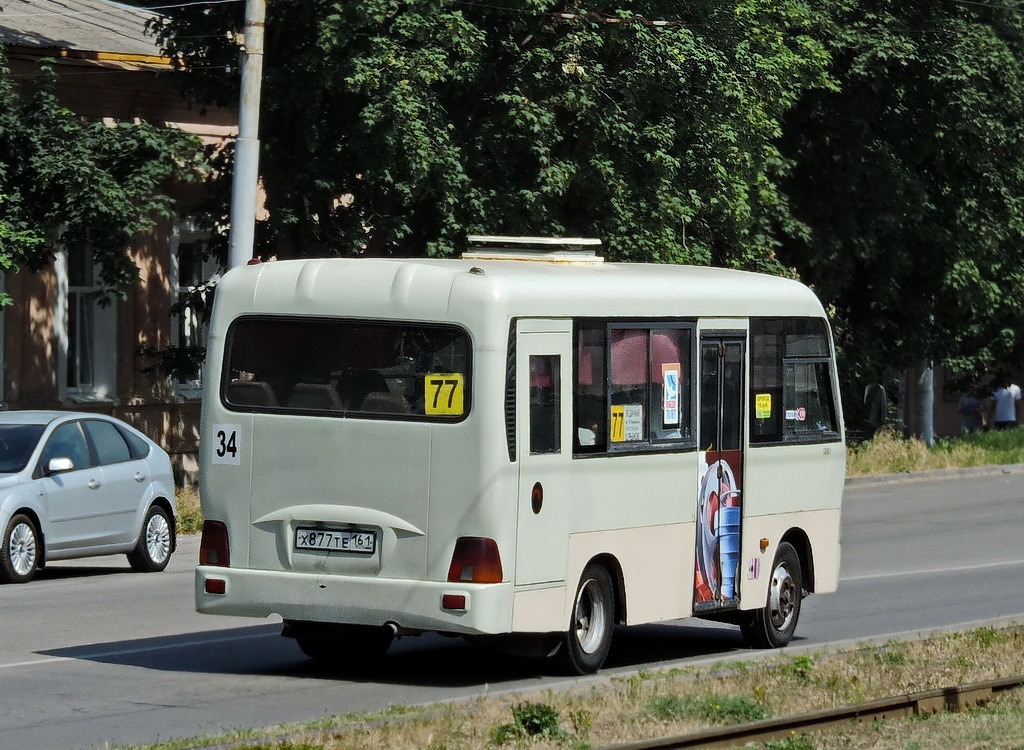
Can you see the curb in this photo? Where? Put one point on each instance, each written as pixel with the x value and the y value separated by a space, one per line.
pixel 917 476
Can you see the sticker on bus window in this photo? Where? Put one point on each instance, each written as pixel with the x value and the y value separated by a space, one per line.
pixel 763 406
pixel 670 394
pixel 443 394
pixel 634 422
pixel 627 423
pixel 618 424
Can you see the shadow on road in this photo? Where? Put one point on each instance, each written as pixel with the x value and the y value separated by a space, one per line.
pixel 426 661
pixel 57 572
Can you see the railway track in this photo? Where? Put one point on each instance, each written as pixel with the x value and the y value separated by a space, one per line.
pixel 957 698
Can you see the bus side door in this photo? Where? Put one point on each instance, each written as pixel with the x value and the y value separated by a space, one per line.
pixel 719 498
pixel 543 427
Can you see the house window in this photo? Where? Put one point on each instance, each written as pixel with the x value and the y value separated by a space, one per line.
pixel 194 276
pixel 82 290
pixel 86 332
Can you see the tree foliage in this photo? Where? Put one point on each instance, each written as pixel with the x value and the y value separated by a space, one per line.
pixel 872 147
pixel 398 128
pixel 909 180
pixel 67 182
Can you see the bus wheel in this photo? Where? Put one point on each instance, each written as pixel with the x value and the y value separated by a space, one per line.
pixel 773 626
pixel 593 617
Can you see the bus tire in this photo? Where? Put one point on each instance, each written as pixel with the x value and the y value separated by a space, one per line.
pixel 774 625
pixel 593 618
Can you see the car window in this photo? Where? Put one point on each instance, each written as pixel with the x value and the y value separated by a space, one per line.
pixel 110 446
pixel 138 446
pixel 68 441
pixel 17 441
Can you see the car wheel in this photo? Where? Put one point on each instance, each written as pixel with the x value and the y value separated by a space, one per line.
pixel 156 542
pixel 774 625
pixel 19 552
pixel 593 617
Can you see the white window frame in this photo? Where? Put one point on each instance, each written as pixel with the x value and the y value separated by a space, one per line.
pixel 100 336
pixel 186 327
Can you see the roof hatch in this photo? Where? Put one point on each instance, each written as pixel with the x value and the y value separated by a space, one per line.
pixel 546 249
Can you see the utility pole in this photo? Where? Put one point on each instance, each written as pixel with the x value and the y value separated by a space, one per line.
pixel 925 403
pixel 245 184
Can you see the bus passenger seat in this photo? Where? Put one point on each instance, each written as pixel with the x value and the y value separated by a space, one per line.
pixel 251 393
pixel 353 385
pixel 315 396
pixel 385 403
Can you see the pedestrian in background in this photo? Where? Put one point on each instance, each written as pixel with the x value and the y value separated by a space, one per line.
pixel 876 406
pixel 1005 405
pixel 971 410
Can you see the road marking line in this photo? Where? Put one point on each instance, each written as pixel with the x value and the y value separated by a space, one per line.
pixel 34 662
pixel 960 569
pixel 132 651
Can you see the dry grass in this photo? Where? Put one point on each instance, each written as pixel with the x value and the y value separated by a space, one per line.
pixel 190 514
pixel 655 704
pixel 889 453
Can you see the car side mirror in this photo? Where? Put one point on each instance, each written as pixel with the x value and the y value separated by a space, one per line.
pixel 59 465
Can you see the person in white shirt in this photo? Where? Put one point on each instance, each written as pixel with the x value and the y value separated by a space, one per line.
pixel 1005 404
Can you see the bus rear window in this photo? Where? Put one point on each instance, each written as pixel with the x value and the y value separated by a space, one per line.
pixel 337 367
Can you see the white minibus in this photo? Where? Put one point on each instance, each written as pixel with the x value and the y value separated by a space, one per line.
pixel 526 444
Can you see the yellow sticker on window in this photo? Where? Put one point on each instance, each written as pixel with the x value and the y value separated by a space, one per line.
pixel 443 394
pixel 618 424
pixel 763 405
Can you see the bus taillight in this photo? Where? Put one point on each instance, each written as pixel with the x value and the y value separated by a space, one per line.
pixel 475 560
pixel 213 545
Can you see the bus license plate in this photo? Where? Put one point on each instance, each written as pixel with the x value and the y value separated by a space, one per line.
pixel 364 542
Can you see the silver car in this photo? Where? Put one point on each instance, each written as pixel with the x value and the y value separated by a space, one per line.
pixel 80 485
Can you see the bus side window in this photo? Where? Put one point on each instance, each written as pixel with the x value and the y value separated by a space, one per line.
pixel 808 390
pixel 791 393
pixel 589 391
pixel 545 404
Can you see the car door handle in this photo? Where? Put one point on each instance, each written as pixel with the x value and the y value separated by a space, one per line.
pixel 93 484
pixel 140 477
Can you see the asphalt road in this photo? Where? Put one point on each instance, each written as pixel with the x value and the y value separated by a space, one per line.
pixel 92 654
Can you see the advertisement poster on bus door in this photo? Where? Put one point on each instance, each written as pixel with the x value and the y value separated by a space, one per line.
pixel 719 516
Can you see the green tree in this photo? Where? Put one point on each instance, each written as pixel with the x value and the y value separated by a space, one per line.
pixel 71 182
pixel 398 128
pixel 908 183
pixel 12 242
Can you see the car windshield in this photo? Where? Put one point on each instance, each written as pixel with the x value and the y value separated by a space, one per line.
pixel 16 444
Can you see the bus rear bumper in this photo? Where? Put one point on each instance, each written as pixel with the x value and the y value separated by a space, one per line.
pixel 408 604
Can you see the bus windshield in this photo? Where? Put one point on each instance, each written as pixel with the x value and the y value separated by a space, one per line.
pixel 340 367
